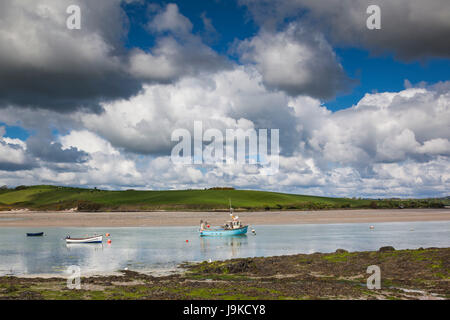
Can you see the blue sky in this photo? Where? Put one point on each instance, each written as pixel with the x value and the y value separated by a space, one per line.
pixel 229 19
pixel 384 73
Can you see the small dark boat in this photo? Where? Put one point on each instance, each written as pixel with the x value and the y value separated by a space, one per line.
pixel 34 234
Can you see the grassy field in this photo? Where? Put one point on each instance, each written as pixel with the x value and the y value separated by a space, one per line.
pixel 45 197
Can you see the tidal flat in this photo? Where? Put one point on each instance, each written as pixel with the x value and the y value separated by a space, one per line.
pixel 405 274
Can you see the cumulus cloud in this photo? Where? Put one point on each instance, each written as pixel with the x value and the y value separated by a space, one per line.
pixel 177 52
pixel 297 61
pixel 170 19
pixel 228 99
pixel 104 166
pixel 172 59
pixel 412 29
pixel 13 155
pixel 386 127
pixel 390 143
pixel 51 151
pixel 43 64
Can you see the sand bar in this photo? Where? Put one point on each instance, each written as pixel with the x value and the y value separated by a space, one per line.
pixel 148 219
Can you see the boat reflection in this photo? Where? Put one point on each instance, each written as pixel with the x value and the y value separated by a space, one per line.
pixel 84 246
pixel 222 246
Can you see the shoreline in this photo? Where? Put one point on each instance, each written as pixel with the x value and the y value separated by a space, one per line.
pixel 417 274
pixel 26 218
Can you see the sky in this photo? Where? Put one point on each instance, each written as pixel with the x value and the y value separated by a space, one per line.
pixel 360 112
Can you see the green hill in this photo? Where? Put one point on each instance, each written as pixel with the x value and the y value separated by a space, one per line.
pixel 60 198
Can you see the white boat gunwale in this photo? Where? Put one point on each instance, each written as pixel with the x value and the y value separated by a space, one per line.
pixel 93 239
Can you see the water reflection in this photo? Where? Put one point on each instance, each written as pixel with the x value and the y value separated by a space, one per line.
pixel 76 247
pixel 222 246
pixel 162 248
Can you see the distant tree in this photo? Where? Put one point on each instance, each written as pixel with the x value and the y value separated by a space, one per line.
pixel 5 187
pixel 88 206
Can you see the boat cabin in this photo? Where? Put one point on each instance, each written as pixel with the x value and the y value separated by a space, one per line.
pixel 234 224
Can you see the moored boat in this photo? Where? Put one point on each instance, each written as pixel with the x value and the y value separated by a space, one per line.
pixel 224 232
pixel 34 234
pixel 231 228
pixel 93 239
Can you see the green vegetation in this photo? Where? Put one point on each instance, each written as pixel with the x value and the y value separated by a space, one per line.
pixel 43 197
pixel 405 274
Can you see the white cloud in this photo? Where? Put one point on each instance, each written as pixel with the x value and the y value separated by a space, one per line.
pixel 389 144
pixel 412 29
pixel 13 155
pixel 296 60
pixel 170 19
pixel 435 146
pixel 228 99
pixel 41 58
pixel 88 142
pixel 45 65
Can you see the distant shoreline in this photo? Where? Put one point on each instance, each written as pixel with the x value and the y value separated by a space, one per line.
pixel 33 219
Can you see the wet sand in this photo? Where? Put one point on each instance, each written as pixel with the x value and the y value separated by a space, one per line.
pixel 148 219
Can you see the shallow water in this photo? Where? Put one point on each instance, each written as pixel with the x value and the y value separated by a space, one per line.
pixel 159 249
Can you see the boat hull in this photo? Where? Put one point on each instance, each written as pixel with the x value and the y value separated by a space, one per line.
pixel 96 239
pixel 35 234
pixel 224 232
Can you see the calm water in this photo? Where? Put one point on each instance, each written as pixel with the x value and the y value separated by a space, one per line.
pixel 163 248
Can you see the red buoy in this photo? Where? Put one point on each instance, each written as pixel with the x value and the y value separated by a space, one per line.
pixel 109 241
pixel 187 241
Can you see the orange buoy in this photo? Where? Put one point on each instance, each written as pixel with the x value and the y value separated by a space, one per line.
pixel 107 235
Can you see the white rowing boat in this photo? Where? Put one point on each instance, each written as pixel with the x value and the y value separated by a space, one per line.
pixel 94 239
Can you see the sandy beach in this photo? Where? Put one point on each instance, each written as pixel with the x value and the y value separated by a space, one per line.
pixel 147 219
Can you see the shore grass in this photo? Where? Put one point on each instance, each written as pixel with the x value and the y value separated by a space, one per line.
pixel 405 274
pixel 44 197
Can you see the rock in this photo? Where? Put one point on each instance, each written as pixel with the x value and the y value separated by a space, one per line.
pixel 341 251
pixel 387 248
pixel 241 266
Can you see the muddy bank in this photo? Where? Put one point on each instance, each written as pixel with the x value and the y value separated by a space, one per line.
pixel 147 219
pixel 405 274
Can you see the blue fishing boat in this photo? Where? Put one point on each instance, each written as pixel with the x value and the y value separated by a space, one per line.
pixel 34 234
pixel 223 232
pixel 231 228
